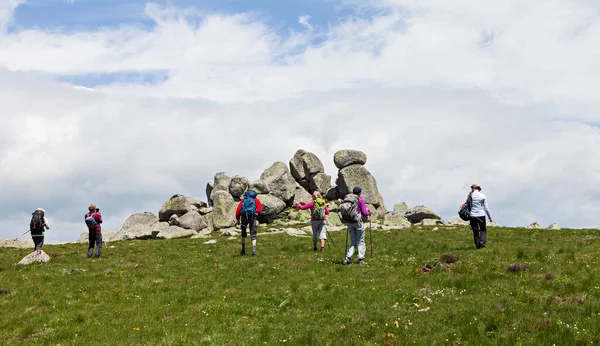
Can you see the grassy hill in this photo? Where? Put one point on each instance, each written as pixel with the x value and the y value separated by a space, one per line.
pixel 527 287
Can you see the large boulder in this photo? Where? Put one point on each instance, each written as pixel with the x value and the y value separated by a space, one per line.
pixel 419 213
pixel 333 219
pixel 271 206
pixel 209 188
pixel 260 186
pixel 176 205
pixel 357 175
pixel 221 182
pixel 401 208
pixel 238 186
pixel 35 257
pixel 191 220
pixel 301 195
pixel 223 214
pixel 396 220
pixel 280 182
pixel 20 244
pixel 312 164
pixel 297 166
pixel 333 193
pixel 320 182
pixel 165 231
pixel 139 226
pixel 107 236
pixel 345 158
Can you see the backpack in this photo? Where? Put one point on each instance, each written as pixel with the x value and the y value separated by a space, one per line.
pixel 90 221
pixel 318 209
pixel 249 204
pixel 36 225
pixel 465 210
pixel 349 209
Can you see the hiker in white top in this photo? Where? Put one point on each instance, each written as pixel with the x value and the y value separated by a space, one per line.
pixel 479 209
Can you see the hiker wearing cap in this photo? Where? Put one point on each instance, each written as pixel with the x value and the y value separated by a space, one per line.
pixel 357 230
pixel 246 213
pixel 37 226
pixel 318 212
pixel 479 209
pixel 93 219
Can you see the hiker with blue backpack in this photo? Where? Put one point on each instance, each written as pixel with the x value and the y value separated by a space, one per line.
pixel 93 219
pixel 246 214
pixel 37 227
pixel 318 212
pixel 353 209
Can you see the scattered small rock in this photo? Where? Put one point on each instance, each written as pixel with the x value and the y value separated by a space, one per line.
pixel 109 272
pixel 212 241
pixel 73 271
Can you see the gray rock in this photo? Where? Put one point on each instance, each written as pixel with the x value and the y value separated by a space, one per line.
pixel 221 182
pixel 396 220
pixel 204 211
pixel 173 232
pixel 178 205
pixel 35 257
pixel 554 226
pixel 271 206
pixel 297 166
pixel 139 226
pixel 280 182
pixel 357 175
pixel 401 208
pixel 107 236
pixel 458 221
pixel 419 213
pixel 301 195
pixel 535 225
pixel 230 232
pixel 299 215
pixel 333 207
pixel 196 202
pixel 19 244
pixel 333 193
pixel 333 219
pixel 224 206
pixel 192 220
pixel 213 241
pixel 294 232
pixel 174 220
pixel 432 222
pixel 260 186
pixel 209 188
pixel 320 182
pixel 205 233
pixel 312 165
pixel 345 158
pixel 238 186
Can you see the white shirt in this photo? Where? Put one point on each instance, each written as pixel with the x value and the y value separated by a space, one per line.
pixel 479 205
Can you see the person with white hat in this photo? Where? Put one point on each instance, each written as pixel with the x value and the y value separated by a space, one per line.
pixel 479 209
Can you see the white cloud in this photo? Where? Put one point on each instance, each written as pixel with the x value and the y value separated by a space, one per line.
pixel 438 96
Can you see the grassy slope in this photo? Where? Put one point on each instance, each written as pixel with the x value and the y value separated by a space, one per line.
pixel 182 292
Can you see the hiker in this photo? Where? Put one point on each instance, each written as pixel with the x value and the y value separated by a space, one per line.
pixel 318 212
pixel 245 214
pixel 356 226
pixel 93 219
pixel 37 227
pixel 479 209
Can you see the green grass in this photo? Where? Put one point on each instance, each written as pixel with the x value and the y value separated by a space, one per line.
pixel 176 292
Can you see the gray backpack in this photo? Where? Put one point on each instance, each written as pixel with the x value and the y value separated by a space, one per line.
pixel 349 209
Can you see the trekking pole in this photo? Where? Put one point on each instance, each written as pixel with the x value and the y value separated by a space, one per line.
pixel 22 235
pixel 329 237
pixel 371 236
pixel 346 248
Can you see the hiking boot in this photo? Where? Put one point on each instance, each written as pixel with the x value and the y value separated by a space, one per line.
pixel 254 253
pixel 315 249
pixel 481 245
pixel 346 260
pixel 322 249
pixel 243 252
pixel 362 262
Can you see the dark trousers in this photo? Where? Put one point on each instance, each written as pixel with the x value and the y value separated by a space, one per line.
pixel 38 242
pixel 479 230
pixel 248 222
pixel 95 239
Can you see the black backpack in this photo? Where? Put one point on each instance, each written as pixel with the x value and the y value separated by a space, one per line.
pixel 36 225
pixel 465 210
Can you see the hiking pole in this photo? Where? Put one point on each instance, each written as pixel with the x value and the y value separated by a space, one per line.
pixel 329 237
pixel 346 248
pixel 22 235
pixel 371 236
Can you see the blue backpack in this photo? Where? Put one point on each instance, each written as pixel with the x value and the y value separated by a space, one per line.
pixel 249 204
pixel 90 221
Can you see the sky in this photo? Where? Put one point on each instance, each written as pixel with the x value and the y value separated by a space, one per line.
pixel 125 103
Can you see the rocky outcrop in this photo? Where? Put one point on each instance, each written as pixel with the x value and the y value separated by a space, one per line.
pixel 320 182
pixel 260 186
pixel 165 231
pixel 396 220
pixel 35 257
pixel 554 226
pixel 223 214
pixel 139 226
pixel 20 244
pixel 280 182
pixel 535 225
pixel 271 206
pixel 401 208
pixel 357 175
pixel 419 213
pixel 191 220
pixel 345 158
pixel 238 186
pixel 107 236
pixel 301 195
pixel 179 205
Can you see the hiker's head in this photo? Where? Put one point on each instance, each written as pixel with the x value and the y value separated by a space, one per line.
pixel 316 195
pixel 39 211
pixel 357 190
pixel 475 187
pixel 92 207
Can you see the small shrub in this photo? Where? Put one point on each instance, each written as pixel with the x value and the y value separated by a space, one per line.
pixel 517 267
pixel 448 258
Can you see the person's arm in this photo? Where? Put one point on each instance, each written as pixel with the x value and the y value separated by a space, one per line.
pixel 98 217
pixel 326 210
pixel 487 210
pixel 259 206
pixel 363 207
pixel 46 223
pixel 238 210
pixel 306 206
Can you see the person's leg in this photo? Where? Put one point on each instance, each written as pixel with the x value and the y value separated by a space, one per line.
pixel 475 228
pixel 353 240
pixel 482 231
pixel 244 234
pixel 98 244
pixel 322 234
pixel 315 233
pixel 253 231
pixel 360 234
pixel 92 242
pixel 38 242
